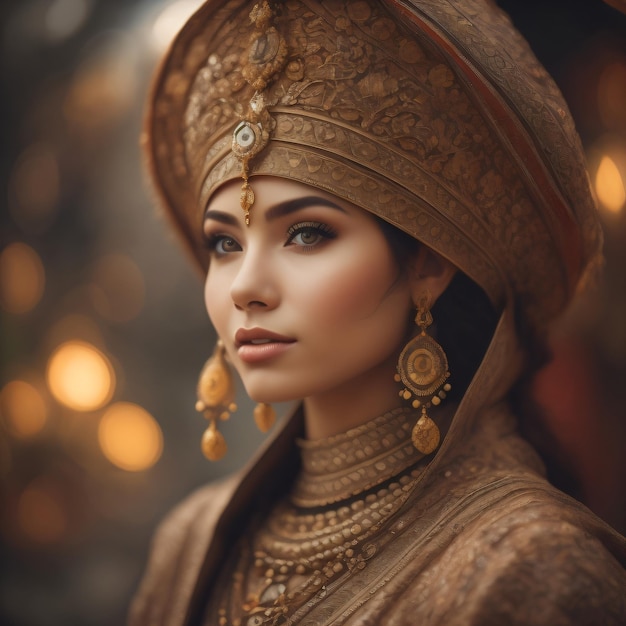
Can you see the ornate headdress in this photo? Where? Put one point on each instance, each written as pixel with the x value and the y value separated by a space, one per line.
pixel 434 116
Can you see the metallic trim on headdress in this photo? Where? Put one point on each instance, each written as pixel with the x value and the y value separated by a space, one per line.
pixel 267 55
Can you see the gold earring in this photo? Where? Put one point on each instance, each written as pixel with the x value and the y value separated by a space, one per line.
pixel 216 400
pixel 423 369
pixel 264 416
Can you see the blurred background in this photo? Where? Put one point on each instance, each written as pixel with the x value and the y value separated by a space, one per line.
pixel 103 326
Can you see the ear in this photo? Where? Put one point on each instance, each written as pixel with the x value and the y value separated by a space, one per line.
pixel 429 271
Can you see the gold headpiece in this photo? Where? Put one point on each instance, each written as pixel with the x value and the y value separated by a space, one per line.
pixel 265 59
pixel 433 115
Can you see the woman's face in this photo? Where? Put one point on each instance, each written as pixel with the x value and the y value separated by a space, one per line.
pixel 308 299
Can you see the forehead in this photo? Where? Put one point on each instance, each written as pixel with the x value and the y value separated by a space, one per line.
pixel 270 191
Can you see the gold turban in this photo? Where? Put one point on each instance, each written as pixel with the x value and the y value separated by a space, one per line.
pixel 434 115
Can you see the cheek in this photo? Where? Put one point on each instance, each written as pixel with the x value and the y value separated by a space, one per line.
pixel 208 291
pixel 356 287
pixel 215 292
pixel 365 290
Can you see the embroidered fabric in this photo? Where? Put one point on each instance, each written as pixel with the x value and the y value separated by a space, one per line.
pixel 347 492
pixel 345 465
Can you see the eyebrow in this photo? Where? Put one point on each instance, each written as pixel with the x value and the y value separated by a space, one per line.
pixel 279 210
pixel 291 206
pixel 220 216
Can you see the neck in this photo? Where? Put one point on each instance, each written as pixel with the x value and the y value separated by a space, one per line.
pixel 352 404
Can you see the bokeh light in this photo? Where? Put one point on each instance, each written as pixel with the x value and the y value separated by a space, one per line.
pixel 612 95
pixel 40 513
pixel 23 408
pixel 104 86
pixel 22 278
pixel 65 17
pixel 118 288
pixel 609 185
pixel 170 20
pixel 130 437
pixel 35 188
pixel 80 376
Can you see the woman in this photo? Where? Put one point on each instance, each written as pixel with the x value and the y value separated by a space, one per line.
pixel 390 202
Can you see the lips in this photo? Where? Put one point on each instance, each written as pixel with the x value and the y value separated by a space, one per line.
pixel 257 344
pixel 259 336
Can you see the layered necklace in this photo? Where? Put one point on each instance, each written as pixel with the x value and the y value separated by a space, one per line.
pixel 349 487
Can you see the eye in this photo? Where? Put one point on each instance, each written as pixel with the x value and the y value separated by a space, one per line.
pixel 222 244
pixel 306 237
pixel 309 234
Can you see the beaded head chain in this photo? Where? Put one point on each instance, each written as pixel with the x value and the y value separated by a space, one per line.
pixel 267 54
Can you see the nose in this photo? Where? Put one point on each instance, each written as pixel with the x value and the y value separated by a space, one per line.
pixel 254 285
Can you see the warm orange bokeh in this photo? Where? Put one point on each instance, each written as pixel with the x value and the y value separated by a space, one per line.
pixel 22 278
pixel 23 408
pixel 80 376
pixel 610 185
pixel 130 437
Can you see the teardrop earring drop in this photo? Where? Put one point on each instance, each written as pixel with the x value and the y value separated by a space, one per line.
pixel 264 416
pixel 423 369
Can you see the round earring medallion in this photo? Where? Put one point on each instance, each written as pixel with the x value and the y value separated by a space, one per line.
pixel 423 366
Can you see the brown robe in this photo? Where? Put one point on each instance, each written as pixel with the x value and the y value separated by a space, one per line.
pixel 487 540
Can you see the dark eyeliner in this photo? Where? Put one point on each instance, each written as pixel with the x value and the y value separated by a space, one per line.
pixel 326 231
pixel 212 241
pixel 209 241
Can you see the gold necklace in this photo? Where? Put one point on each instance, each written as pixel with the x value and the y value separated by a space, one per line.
pixel 326 528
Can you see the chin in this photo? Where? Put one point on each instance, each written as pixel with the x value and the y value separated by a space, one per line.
pixel 268 395
pixel 271 387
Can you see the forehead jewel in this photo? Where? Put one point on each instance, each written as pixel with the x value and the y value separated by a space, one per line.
pixel 267 55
